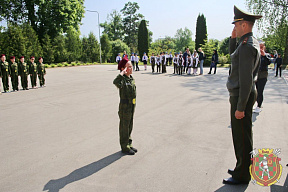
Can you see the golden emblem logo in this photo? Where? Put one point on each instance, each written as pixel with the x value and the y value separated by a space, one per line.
pixel 265 169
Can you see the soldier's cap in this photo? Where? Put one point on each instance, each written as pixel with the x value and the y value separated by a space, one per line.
pixel 144 53
pixel 2 55
pixel 21 57
pixel 132 53
pixel 12 57
pixel 39 58
pixel 240 15
pixel 122 63
pixel 32 57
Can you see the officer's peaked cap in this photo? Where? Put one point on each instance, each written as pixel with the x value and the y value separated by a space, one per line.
pixel 240 15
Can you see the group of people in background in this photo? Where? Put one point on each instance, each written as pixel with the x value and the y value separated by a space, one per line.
pixel 13 70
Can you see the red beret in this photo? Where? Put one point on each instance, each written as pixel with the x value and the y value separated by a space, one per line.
pixel 32 57
pixel 12 57
pixel 122 63
pixel 2 55
pixel 39 58
pixel 21 57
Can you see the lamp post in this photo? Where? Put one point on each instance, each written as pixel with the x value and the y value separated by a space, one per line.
pixel 99 33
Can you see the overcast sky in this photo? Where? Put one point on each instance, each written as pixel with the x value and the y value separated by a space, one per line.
pixel 166 16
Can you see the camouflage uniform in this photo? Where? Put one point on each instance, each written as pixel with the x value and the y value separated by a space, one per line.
pixel 5 72
pixel 127 92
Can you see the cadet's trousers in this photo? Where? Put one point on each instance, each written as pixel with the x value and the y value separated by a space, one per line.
pixel 163 68
pixel 260 85
pixel 175 69
pixel 41 79
pixel 133 63
pixel 278 68
pixel 24 81
pixel 158 68
pixel 153 66
pixel 242 138
pixel 180 70
pixel 15 82
pixel 137 68
pixel 5 82
pixel 33 78
pixel 126 114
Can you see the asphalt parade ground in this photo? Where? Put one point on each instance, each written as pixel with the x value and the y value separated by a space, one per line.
pixel 64 137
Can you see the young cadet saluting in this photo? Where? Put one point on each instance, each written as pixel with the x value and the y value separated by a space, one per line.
pixel 127 91
pixel 41 72
pixel 33 72
pixel 24 72
pixel 5 73
pixel 245 60
pixel 14 73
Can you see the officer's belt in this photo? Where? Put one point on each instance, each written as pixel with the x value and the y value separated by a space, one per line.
pixel 127 101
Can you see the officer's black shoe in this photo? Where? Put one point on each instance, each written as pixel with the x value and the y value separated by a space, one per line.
pixel 130 152
pixel 230 171
pixel 231 181
pixel 209 73
pixel 134 149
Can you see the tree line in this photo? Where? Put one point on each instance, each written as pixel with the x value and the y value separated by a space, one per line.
pixel 50 28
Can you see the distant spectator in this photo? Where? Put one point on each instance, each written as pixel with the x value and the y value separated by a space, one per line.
pixel 214 62
pixel 278 63
pixel 201 59
pixel 274 59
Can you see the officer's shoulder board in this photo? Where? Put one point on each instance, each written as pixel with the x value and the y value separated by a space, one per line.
pixel 245 40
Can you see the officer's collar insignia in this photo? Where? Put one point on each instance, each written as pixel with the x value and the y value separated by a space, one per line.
pixel 265 169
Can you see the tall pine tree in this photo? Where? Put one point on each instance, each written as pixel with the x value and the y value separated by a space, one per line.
pixel 201 31
pixel 143 39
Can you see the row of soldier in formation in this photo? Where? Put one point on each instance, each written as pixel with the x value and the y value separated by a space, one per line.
pixel 13 69
pixel 181 63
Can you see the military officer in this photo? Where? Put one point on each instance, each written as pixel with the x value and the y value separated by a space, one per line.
pixel 24 72
pixel 241 86
pixel 14 73
pixel 5 73
pixel 127 91
pixel 41 71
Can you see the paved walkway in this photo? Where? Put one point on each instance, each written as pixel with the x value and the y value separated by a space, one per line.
pixel 64 137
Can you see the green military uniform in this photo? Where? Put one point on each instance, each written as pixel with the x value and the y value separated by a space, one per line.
pixel 14 75
pixel 127 92
pixel 241 85
pixel 5 73
pixel 24 72
pixel 41 71
pixel 33 73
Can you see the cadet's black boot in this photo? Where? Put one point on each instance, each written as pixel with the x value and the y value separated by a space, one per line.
pixel 134 149
pixel 130 152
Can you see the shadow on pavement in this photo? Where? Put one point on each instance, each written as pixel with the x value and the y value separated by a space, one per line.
pixel 232 188
pixel 81 173
pixel 277 188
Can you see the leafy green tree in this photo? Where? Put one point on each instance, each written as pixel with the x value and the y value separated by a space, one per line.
pixel 201 31
pixel 114 26
pixel 12 41
pixel 208 48
pixel 60 51
pixel 32 44
pixel 131 22
pixel 90 49
pixel 183 39
pixel 106 47
pixel 119 46
pixel 163 45
pixel 274 21
pixel 48 50
pixel 224 46
pixel 143 43
pixel 50 17
pixel 73 45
